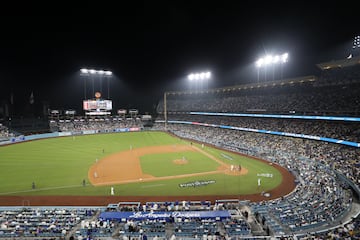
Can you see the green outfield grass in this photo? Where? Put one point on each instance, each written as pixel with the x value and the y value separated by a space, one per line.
pixel 58 166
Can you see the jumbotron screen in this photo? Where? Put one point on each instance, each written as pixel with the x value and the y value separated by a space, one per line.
pixel 89 105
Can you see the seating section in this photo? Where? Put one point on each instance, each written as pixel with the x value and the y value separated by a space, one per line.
pixel 280 217
pixel 105 124
pixel 327 94
pixel 41 222
pixel 4 133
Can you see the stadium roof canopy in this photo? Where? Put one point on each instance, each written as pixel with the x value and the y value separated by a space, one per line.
pixel 350 61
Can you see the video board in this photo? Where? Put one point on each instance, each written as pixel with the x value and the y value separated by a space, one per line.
pixel 91 105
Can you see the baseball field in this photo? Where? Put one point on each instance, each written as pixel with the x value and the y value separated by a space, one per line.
pixel 102 168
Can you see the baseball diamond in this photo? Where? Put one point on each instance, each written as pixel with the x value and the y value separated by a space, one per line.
pixel 149 170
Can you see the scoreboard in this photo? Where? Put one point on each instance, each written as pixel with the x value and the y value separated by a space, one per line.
pixel 97 105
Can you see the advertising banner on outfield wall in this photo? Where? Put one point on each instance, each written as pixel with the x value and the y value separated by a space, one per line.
pixel 63 134
pixel 17 139
pixel 121 130
pixel 88 131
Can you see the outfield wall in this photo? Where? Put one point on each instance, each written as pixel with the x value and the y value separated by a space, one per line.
pixel 23 138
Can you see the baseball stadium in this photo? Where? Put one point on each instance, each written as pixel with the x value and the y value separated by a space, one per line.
pixel 265 160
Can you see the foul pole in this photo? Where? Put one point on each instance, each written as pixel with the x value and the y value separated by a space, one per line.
pixel 165 111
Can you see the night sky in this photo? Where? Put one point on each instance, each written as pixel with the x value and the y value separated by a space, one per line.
pixel 152 47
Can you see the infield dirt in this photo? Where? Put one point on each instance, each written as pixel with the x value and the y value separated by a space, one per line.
pixel 125 167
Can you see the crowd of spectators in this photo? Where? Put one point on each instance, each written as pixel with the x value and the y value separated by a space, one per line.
pixel 319 199
pixel 96 228
pixel 71 223
pixel 107 124
pixel 136 228
pixel 348 231
pixel 312 100
pixel 237 225
pixel 41 222
pixel 344 159
pixel 335 92
pixel 186 227
pixel 343 130
pixel 339 76
pixel 4 132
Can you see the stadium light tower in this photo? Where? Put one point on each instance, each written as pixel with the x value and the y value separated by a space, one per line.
pixel 270 60
pixel 199 77
pixel 356 46
pixel 92 73
pixel 356 43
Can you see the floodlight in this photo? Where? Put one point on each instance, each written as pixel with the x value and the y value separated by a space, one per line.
pixel 271 61
pixel 284 57
pixel 276 59
pixel 199 76
pixel 191 77
pixel 268 59
pixel 84 70
pixel 259 62
pixel 356 42
pixel 94 74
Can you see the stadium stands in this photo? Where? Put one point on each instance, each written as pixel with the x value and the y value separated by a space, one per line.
pixel 322 198
pixel 4 133
pixel 324 204
pixel 333 93
pixel 41 222
pixel 107 124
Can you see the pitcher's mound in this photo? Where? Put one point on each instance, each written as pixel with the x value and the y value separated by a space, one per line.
pixel 180 161
pixel 235 170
